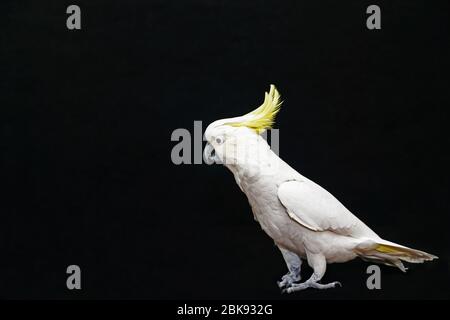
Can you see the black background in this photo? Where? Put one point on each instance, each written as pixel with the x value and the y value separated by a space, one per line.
pixel 87 116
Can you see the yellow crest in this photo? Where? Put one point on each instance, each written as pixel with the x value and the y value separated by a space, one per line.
pixel 263 117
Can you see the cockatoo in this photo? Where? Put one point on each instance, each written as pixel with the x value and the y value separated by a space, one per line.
pixel 304 219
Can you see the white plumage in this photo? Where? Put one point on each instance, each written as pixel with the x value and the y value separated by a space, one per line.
pixel 304 220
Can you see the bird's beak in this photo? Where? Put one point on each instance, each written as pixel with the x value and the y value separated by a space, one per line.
pixel 209 154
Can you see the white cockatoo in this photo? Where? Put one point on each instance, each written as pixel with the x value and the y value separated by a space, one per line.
pixel 304 219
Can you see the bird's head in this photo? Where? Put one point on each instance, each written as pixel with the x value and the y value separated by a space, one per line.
pixel 230 140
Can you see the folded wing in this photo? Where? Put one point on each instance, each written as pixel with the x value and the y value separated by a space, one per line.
pixel 316 209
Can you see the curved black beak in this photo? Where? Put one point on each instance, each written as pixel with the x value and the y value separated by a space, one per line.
pixel 209 154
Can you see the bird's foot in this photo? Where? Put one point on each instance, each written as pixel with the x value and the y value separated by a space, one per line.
pixel 310 284
pixel 288 280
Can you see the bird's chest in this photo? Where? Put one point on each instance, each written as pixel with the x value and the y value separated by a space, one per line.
pixel 262 195
pixel 267 209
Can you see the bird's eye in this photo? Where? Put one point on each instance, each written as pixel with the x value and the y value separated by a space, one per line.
pixel 219 140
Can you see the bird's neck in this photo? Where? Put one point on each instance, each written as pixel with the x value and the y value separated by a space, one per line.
pixel 257 160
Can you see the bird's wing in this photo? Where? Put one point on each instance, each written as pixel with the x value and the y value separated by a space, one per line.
pixel 315 208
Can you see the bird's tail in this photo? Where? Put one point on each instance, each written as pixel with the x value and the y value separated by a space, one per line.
pixel 390 253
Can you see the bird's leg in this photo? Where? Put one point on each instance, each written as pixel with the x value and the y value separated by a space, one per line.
pixel 294 264
pixel 319 264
